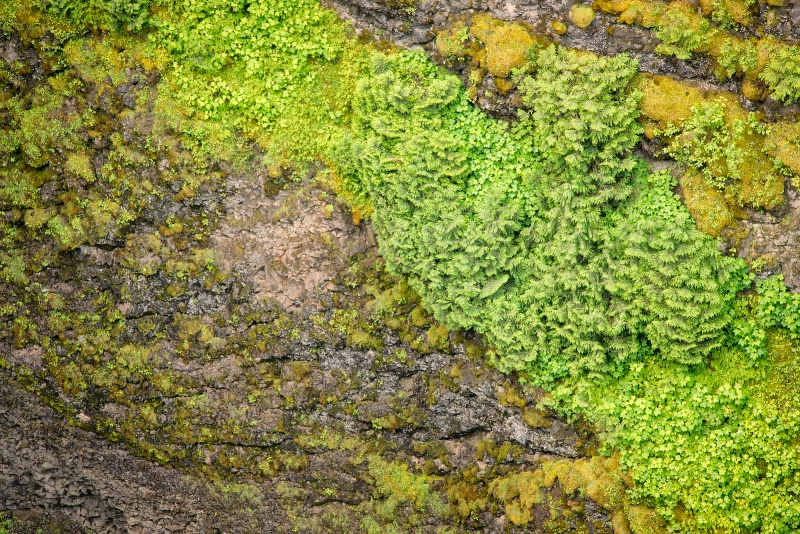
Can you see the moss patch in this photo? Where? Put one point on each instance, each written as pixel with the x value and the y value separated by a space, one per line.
pixel 581 16
pixel 706 204
pixel 507 43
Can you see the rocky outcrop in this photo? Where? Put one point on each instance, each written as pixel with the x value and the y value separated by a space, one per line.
pixel 236 358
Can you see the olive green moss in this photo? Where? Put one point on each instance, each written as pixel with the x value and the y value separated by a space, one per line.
pixel 581 16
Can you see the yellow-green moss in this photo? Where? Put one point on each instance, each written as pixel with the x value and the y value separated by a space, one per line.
pixel 519 492
pixel 784 144
pixel 79 164
pixel 782 384
pixel 611 6
pixel 559 27
pixel 507 395
pixel 600 478
pixel 706 203
pixel 666 100
pixel 399 486
pixel 758 183
pixel 507 43
pixel 581 16
pixel 643 520
pixel 536 418
pixel 451 41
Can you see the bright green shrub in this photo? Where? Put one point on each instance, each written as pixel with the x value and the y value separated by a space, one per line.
pixel 131 15
pixel 274 40
pixel 679 36
pixel 667 278
pixel 281 71
pixel 537 239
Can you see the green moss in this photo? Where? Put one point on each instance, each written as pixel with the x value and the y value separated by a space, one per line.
pixel 581 16
pixel 710 132
pixel 644 521
pixel 507 44
pixel 706 204
pixel 536 418
pixel 519 492
pixel 395 483
pixel 451 42
pixel 782 384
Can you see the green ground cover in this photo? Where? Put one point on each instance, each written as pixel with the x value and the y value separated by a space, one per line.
pixel 576 262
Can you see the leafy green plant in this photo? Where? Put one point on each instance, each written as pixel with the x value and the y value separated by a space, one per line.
pixel 782 73
pixel 736 57
pixel 697 443
pixel 560 263
pixel 705 143
pixel 679 36
pixel 777 306
pixel 257 66
pixel 131 15
pixel 128 15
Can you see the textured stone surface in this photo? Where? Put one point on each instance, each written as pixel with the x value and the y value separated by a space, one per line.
pixel 49 468
pixel 266 400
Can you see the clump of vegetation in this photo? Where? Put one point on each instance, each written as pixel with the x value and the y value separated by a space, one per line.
pixel 263 69
pixel 681 34
pixel 731 151
pixel 581 16
pixel 507 44
pixel 538 264
pixel 128 15
pixel 581 268
pixel 782 73
pixel 778 307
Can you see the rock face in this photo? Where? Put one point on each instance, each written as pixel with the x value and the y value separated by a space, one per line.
pixel 283 244
pixel 67 480
pixel 411 23
pixel 771 241
pixel 236 359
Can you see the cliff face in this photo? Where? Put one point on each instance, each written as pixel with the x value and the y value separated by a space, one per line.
pixel 237 359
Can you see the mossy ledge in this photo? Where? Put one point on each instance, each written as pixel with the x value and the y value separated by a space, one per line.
pixel 136 330
pixel 353 410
